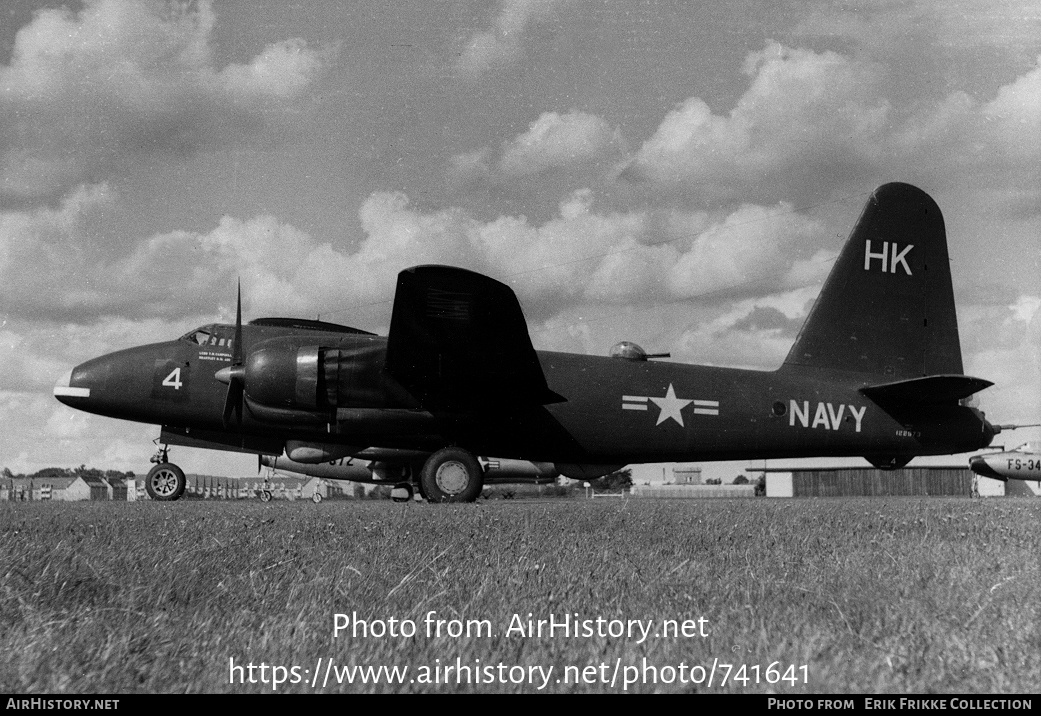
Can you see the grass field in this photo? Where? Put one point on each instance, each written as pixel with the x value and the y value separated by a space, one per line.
pixel 894 595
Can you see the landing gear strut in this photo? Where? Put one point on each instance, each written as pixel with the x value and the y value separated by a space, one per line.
pixel 402 492
pixel 165 482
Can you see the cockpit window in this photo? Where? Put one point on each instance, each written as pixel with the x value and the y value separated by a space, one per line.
pixel 199 337
pixel 212 335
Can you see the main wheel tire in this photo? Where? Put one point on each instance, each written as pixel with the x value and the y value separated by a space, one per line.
pixel 316 497
pixel 165 482
pixel 265 495
pixel 451 475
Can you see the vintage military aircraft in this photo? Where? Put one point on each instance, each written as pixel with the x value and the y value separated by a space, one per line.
pixel 1021 463
pixel 875 372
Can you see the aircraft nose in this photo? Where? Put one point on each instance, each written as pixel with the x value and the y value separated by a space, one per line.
pixel 64 390
pixel 979 465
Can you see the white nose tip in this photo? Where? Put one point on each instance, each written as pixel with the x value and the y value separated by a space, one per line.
pixel 63 388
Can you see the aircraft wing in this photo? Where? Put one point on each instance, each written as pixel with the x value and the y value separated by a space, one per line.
pixel 458 341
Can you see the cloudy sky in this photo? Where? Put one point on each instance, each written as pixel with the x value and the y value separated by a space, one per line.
pixel 678 174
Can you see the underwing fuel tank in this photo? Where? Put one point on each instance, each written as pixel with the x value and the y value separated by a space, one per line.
pixel 496 471
pixel 343 469
pixel 509 471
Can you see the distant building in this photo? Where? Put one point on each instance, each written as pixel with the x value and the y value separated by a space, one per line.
pixel 87 488
pixel 870 482
pixel 692 491
pixel 686 474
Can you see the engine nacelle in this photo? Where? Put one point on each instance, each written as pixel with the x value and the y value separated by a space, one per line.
pixel 286 376
pixel 282 375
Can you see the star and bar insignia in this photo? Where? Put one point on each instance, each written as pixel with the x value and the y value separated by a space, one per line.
pixel 670 406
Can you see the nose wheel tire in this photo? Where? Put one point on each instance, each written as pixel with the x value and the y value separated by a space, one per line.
pixel 165 482
pixel 451 475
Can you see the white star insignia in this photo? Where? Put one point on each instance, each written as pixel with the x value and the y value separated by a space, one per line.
pixel 670 406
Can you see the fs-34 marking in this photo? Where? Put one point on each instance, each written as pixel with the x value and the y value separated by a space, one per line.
pixel 670 406
pixel 825 416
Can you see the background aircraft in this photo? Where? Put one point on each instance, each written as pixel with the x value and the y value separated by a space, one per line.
pixel 875 372
pixel 1021 463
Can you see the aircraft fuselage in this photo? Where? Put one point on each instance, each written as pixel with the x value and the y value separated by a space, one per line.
pixel 614 411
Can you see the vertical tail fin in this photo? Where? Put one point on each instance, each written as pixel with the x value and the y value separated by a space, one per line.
pixel 887 308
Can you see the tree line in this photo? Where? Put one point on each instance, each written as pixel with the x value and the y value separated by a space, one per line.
pixel 81 471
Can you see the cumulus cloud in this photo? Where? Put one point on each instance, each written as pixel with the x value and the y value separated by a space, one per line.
pixel 1014 118
pixel 1003 344
pixel 754 333
pixel 85 89
pixel 804 112
pixel 76 277
pixel 582 254
pixel 565 149
pixel 888 26
pixel 503 43
pixel 66 424
pixel 810 123
pixel 744 250
pixel 469 167
pixel 555 140
pixel 40 433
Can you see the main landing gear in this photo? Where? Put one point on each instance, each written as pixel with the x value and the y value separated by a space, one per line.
pixel 402 492
pixel 451 475
pixel 165 482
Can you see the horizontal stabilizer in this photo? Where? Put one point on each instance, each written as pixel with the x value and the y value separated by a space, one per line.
pixel 458 341
pixel 931 389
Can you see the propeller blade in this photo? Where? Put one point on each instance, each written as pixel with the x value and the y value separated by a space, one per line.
pixel 236 347
pixel 234 375
pixel 233 402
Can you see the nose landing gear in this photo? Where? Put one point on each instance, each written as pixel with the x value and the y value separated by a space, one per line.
pixel 165 482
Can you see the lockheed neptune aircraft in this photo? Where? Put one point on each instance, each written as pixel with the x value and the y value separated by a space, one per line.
pixel 875 372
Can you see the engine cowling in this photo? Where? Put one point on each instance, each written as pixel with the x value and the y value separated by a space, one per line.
pixel 286 376
pixel 283 375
